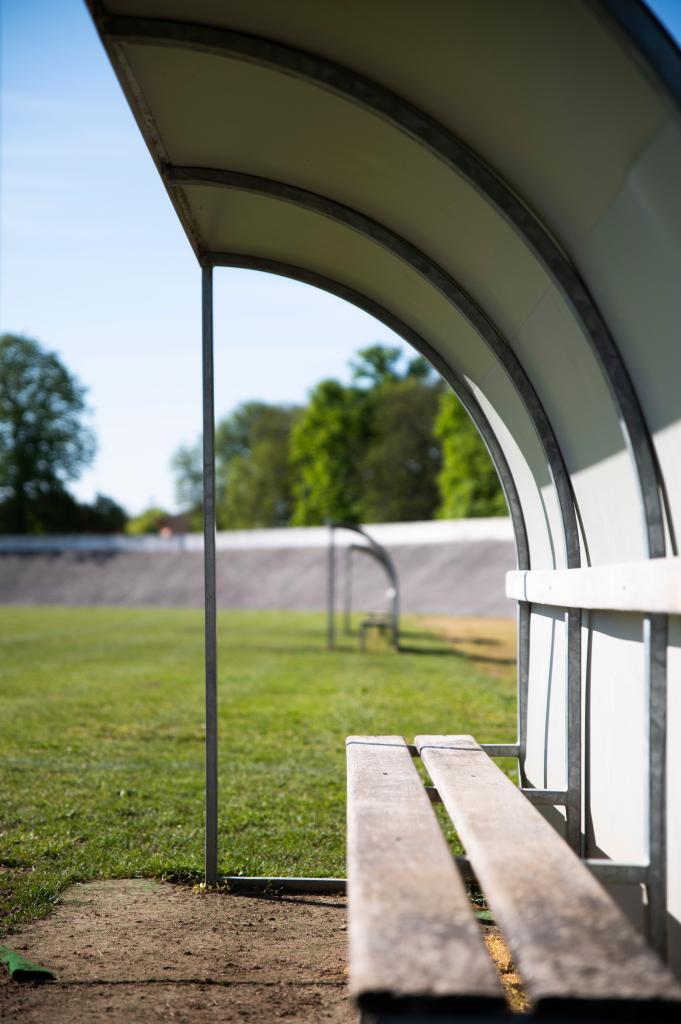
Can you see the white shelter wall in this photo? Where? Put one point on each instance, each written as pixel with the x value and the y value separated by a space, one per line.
pixel 632 257
pixel 615 736
pixel 540 505
pixel 563 368
pixel 546 722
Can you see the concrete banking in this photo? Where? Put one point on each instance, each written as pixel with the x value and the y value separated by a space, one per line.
pixel 449 567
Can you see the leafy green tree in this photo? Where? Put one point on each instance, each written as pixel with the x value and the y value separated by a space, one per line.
pixel 367 452
pixel 327 443
pixel 418 368
pixel 104 515
pixel 44 442
pixel 57 511
pixel 399 466
pixel 255 474
pixel 148 521
pixel 251 469
pixel 376 365
pixel 468 482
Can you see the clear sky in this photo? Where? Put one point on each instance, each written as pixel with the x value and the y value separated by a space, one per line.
pixel 94 264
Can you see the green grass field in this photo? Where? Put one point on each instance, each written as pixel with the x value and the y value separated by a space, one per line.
pixel 101 740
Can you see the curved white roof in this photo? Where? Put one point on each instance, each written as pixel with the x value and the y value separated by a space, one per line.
pixel 503 169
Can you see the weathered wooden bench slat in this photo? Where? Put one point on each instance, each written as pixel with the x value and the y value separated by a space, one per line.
pixel 574 948
pixel 414 942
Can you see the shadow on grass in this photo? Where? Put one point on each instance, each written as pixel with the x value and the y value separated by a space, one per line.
pixel 351 649
pixel 462 655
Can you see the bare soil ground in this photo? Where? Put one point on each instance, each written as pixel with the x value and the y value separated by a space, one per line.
pixel 137 951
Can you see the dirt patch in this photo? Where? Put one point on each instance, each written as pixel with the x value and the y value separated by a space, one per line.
pixel 492 642
pixel 516 996
pixel 137 951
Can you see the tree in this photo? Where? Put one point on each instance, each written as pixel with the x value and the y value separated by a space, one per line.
pixel 104 515
pixel 468 482
pixel 376 365
pixel 399 466
pixel 251 468
pixel 327 443
pixel 256 479
pixel 366 452
pixel 148 521
pixel 44 442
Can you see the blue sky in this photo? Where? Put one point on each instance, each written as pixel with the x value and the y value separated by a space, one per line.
pixel 94 264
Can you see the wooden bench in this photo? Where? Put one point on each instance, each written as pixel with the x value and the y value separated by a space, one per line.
pixel 381 623
pixel 416 949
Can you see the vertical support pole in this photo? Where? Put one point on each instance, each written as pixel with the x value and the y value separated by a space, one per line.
pixel 573 628
pixel 655 644
pixel 211 848
pixel 331 592
pixel 347 580
pixel 395 614
pixel 524 616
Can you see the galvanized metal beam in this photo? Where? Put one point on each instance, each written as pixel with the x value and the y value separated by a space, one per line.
pixel 547 797
pixel 501 749
pixel 210 616
pixel 275 884
pixel 655 640
pixel 617 873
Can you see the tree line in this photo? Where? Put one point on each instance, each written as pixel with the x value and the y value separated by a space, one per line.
pixel 45 443
pixel 393 444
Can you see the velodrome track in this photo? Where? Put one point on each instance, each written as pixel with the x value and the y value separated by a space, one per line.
pixel 445 567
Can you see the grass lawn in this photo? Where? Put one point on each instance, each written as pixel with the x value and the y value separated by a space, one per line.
pixel 101 740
